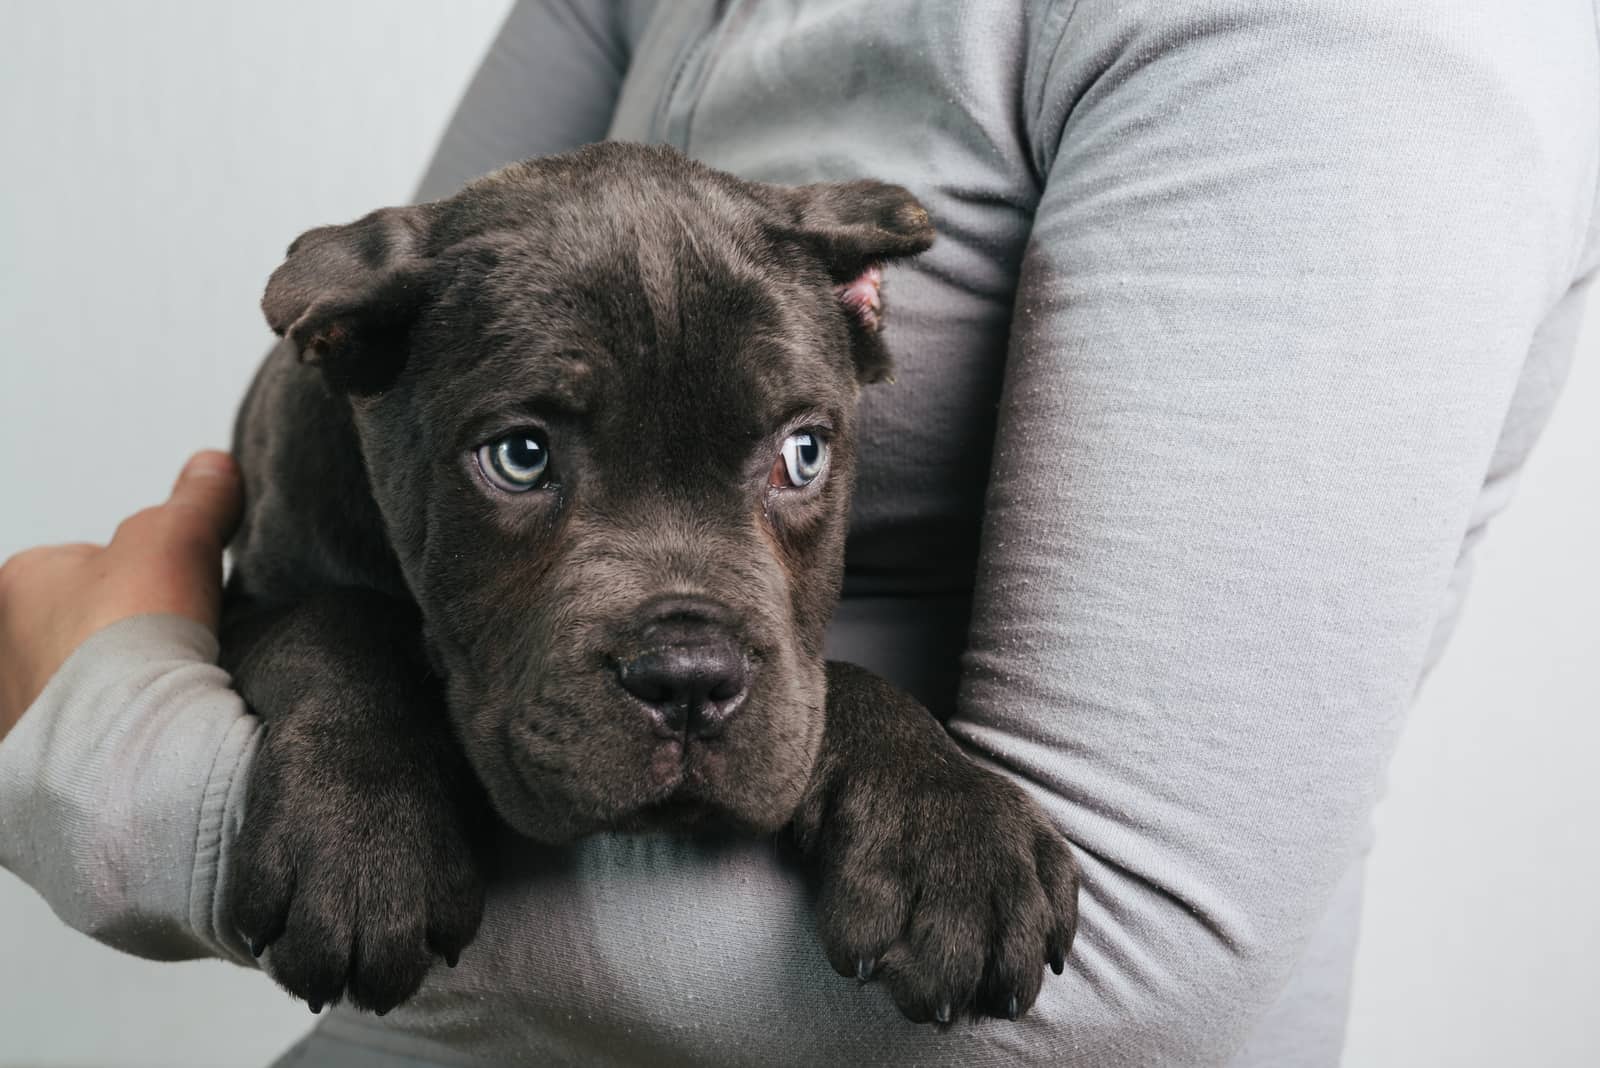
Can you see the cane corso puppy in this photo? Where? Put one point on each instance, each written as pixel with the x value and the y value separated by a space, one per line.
pixel 547 487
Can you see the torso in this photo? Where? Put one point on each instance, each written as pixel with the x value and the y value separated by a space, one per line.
pixel 789 93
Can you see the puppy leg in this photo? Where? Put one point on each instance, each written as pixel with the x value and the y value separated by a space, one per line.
pixel 355 865
pixel 939 877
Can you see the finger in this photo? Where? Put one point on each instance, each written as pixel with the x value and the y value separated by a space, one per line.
pixel 206 500
pixel 168 559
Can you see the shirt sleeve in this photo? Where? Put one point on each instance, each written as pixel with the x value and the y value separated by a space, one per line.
pixel 115 785
pixel 1285 274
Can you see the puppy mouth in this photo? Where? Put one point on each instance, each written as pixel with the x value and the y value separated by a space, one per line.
pixel 672 786
pixel 680 787
pixel 677 802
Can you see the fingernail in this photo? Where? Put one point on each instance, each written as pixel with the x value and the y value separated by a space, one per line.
pixel 208 465
pixel 1012 1012
pixel 864 969
pixel 943 1015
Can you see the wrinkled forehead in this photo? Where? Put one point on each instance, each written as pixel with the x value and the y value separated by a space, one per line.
pixel 648 326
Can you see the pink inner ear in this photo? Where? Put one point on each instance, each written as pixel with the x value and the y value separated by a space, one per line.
pixel 861 297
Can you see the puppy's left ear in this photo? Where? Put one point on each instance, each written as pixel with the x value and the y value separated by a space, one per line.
pixel 347 296
pixel 855 228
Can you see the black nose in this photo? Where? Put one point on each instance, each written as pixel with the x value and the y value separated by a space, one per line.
pixel 692 684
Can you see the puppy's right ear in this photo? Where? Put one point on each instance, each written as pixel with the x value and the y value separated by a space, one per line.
pixel 346 297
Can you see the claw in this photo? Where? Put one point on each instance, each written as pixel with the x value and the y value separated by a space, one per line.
pixel 864 969
pixel 314 1006
pixel 256 947
pixel 1012 1011
pixel 943 1015
pixel 453 958
pixel 1058 960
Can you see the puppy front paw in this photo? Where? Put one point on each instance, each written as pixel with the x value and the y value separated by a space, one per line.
pixel 351 875
pixel 954 892
pixel 940 879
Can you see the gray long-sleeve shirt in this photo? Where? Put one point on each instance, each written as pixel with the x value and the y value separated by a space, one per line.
pixel 1243 317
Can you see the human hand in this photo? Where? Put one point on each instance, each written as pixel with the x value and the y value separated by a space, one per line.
pixel 165 559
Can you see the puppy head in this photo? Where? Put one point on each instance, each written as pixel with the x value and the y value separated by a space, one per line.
pixel 606 403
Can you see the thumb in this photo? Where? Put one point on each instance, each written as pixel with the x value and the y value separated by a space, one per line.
pixel 206 500
pixel 176 548
pixel 168 559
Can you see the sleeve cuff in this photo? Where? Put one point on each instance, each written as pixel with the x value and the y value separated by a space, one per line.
pixel 122 786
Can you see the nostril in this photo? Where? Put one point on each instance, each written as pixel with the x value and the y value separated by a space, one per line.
pixel 644 678
pixel 689 687
pixel 727 686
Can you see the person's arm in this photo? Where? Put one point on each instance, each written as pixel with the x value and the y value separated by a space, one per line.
pixel 119 738
pixel 1286 272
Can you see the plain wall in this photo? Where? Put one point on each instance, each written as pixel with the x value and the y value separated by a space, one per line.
pixel 158 157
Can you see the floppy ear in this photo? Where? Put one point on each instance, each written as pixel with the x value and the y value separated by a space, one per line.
pixel 855 228
pixel 347 296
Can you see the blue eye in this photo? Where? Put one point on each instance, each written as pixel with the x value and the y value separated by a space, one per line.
pixel 802 459
pixel 516 463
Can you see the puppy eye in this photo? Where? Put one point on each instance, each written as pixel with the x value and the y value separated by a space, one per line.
pixel 801 460
pixel 516 463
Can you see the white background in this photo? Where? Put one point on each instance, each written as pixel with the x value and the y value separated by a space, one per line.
pixel 156 158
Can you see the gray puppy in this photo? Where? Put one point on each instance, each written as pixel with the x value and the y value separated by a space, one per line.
pixel 547 488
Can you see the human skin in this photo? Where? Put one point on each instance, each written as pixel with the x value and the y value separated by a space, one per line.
pixel 166 559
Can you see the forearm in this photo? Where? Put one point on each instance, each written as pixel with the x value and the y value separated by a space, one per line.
pixel 1267 333
pixel 115 785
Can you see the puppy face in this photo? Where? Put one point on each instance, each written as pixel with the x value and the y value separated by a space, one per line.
pixel 606 404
